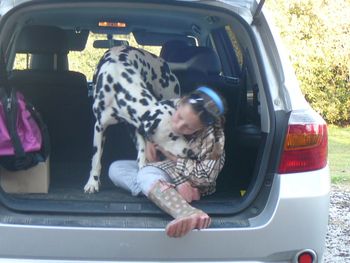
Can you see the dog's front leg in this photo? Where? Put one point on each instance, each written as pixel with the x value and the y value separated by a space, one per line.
pixel 140 145
pixel 93 183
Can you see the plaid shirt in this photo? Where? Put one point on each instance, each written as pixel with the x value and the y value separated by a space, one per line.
pixel 203 170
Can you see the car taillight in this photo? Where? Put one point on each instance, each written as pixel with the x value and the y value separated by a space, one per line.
pixel 306 143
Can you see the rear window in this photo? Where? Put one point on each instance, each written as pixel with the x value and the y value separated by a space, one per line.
pixel 89 55
pixel 92 55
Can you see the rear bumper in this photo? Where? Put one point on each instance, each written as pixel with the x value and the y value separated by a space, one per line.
pixel 295 218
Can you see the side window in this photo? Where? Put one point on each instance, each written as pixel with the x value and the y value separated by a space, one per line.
pixel 240 67
pixel 250 91
pixel 235 45
pixel 22 61
pixel 226 45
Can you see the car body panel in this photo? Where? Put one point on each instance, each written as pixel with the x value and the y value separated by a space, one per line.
pixel 263 240
pixel 294 217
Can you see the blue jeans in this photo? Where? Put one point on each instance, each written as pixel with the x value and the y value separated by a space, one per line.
pixel 127 175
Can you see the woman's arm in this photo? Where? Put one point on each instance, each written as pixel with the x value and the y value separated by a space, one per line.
pixel 151 152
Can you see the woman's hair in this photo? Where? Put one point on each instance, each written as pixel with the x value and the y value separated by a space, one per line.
pixel 208 103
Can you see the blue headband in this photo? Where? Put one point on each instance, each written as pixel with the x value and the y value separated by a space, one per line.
pixel 214 96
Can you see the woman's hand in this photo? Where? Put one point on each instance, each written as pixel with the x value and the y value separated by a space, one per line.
pixel 188 192
pixel 167 154
pixel 151 152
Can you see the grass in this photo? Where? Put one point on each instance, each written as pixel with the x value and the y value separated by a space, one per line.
pixel 339 154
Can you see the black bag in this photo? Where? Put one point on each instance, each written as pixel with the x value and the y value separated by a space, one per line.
pixel 24 137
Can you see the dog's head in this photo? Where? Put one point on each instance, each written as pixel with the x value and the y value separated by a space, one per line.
pixel 157 128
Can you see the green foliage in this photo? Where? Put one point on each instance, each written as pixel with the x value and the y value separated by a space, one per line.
pixel 339 154
pixel 316 33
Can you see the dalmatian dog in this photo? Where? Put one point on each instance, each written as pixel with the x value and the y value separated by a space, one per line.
pixel 134 86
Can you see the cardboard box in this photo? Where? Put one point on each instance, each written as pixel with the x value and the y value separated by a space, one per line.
pixel 33 180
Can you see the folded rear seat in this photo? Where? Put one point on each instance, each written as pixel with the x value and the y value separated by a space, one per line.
pixel 60 95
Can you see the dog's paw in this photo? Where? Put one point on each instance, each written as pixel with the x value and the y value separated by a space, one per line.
pixel 92 186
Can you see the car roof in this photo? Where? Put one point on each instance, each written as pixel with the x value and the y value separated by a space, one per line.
pixel 253 5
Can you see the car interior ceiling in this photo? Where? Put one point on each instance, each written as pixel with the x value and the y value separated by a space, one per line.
pixel 61 96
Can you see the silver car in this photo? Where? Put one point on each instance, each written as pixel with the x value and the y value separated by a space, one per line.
pixel 272 198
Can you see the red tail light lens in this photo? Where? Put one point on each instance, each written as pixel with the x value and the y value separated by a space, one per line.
pixel 306 144
pixel 305 258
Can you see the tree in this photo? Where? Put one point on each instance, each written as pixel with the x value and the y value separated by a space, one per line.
pixel 317 33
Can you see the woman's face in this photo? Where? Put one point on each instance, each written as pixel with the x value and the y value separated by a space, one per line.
pixel 185 121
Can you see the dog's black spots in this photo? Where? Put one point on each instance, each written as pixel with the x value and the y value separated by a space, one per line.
pixel 154 74
pixel 111 61
pixel 149 86
pixel 107 88
pixel 128 96
pixel 121 103
pixel 144 102
pixel 123 57
pixel 131 112
pixel 148 65
pixel 143 74
pixel 109 79
pixel 173 137
pixel 145 116
pixel 95 177
pixel 115 113
pixel 141 130
pixel 101 105
pixel 130 71
pixel 153 127
pixel 127 77
pixel 99 83
pixel 170 113
pixel 98 129
pixel 168 103
pixel 136 65
pixel 154 116
pixel 107 54
pixel 145 94
pixel 143 62
pixel 101 96
pixel 172 78
pixel 118 88
pixel 177 89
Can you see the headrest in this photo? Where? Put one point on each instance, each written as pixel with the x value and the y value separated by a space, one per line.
pixel 181 56
pixel 200 59
pixel 41 40
pixel 171 47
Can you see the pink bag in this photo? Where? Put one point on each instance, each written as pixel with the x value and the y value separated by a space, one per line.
pixel 26 127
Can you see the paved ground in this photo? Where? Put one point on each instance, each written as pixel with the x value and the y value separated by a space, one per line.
pixel 338 237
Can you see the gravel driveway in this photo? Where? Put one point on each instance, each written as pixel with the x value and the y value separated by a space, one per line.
pixel 338 237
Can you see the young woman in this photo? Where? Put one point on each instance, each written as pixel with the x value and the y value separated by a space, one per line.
pixel 175 182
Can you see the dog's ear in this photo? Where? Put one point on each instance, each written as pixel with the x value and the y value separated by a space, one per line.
pixel 152 128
